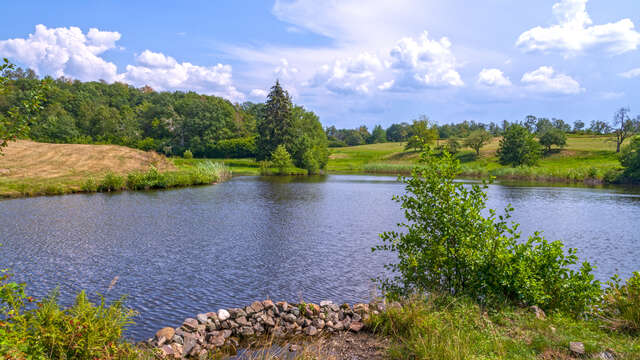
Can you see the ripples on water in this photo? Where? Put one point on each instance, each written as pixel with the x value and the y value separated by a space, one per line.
pixel 181 252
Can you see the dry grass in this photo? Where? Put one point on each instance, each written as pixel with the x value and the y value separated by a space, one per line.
pixel 29 168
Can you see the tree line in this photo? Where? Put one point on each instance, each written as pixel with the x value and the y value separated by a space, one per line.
pixel 171 123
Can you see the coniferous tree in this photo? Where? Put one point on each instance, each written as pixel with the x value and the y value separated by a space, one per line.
pixel 276 126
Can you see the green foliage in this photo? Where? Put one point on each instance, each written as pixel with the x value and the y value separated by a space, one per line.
pixel 553 136
pixel 309 149
pixel 281 159
pixel 630 160
pixel 378 135
pixel 518 147
pixel 449 246
pixel 620 306
pixel 90 185
pixel 111 182
pixel 398 132
pixel 187 154
pixel 477 139
pixel 15 118
pixel 237 148
pixel 453 145
pixel 82 331
pixel 421 133
pixel 276 124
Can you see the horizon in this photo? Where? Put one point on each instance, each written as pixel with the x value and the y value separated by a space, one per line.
pixel 569 59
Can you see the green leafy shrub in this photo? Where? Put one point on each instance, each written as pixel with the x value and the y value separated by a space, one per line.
pixel 152 179
pixel 90 185
pixel 449 246
pixel 111 182
pixel 518 147
pixel 233 148
pixel 187 154
pixel 83 331
pixel 281 159
pixel 621 304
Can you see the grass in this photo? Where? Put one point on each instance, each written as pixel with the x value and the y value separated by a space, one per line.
pixel 30 169
pixel 584 159
pixel 445 328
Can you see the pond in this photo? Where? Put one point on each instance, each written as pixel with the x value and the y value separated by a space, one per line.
pixel 181 252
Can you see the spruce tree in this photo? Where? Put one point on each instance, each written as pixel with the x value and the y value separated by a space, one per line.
pixel 276 126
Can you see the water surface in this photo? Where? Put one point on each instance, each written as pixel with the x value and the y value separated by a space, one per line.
pixel 181 252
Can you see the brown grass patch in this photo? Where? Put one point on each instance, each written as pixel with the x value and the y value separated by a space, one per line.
pixel 28 159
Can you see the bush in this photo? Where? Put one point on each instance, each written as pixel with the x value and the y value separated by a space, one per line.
pixel 553 136
pixel 146 144
pixel 233 148
pixel 90 185
pixel 187 154
pixel 630 160
pixel 281 159
pixel 621 304
pixel 448 246
pixel 518 147
pixel 111 182
pixel 152 179
pixel 83 331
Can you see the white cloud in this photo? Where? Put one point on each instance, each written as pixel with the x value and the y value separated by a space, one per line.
pixel 284 70
pixel 350 75
pixel 258 94
pixel 546 80
pixel 165 73
pixel 493 78
pixel 631 73
pixel 575 34
pixel 64 52
pixel 424 63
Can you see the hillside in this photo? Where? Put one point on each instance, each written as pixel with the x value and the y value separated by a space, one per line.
pixel 31 168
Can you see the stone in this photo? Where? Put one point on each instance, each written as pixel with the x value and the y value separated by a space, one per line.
pixel 341 315
pixel 539 312
pixel 216 341
pixel 177 350
pixel 306 323
pixel 279 332
pixel 226 333
pixel 161 341
pixel 213 316
pixel 576 348
pixel 201 328
pixel 300 321
pixel 356 317
pixel 338 326
pixel 223 315
pixel 318 323
pixel 324 303
pixel 361 308
pixel 259 329
pixel 606 355
pixel 268 304
pixel 333 317
pixel 202 318
pixel 257 306
pixel 282 305
pixel 166 332
pixel 356 326
pixel 289 318
pixel 203 354
pixel 293 347
pixel 177 339
pixel 237 312
pixel 249 310
pixel 190 325
pixel 295 311
pixel 334 307
pixel 310 331
pixel 167 351
pixel 190 343
pixel 242 321
pixel 232 324
pixel 267 320
pixel 246 331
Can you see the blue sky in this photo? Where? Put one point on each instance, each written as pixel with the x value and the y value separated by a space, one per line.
pixel 352 62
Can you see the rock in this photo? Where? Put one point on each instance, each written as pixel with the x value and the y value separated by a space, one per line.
pixel 232 324
pixel 310 330
pixel 190 343
pixel 167 351
pixel 177 339
pixel 338 326
pixel 177 350
pixel 223 315
pixel 334 307
pixel 290 318
pixel 216 341
pixel 318 323
pixel 258 328
pixel 306 323
pixel 161 341
pixel 246 331
pixel 279 332
pixel 340 315
pixel 324 303
pixel 203 354
pixel 226 333
pixel 293 347
pixel 249 310
pixel 333 317
pixel 282 305
pixel 267 304
pixel 242 321
pixel 606 355
pixel 356 317
pixel 295 311
pixel 202 318
pixel 190 325
pixel 166 332
pixel 361 308
pixel 237 312
pixel 213 316
pixel 539 312
pixel 576 348
pixel 356 326
pixel 257 306
pixel 267 320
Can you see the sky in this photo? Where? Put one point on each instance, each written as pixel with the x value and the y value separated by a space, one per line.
pixel 352 62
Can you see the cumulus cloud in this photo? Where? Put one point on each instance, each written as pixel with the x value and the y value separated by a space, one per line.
pixel 493 78
pixel 350 75
pixel 546 80
pixel 258 94
pixel 424 62
pixel 574 33
pixel 631 73
pixel 163 72
pixel 64 52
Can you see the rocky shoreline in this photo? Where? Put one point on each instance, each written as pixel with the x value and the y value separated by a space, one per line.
pixel 212 331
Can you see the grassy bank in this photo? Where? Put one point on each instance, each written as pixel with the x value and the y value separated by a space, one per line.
pixel 30 169
pixel 584 159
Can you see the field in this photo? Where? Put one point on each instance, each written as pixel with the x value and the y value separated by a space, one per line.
pixel 28 169
pixel 584 158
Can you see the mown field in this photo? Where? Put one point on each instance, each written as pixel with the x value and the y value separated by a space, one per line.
pixel 584 158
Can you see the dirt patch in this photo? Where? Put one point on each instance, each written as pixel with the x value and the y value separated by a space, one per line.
pixel 28 159
pixel 338 156
pixel 352 346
